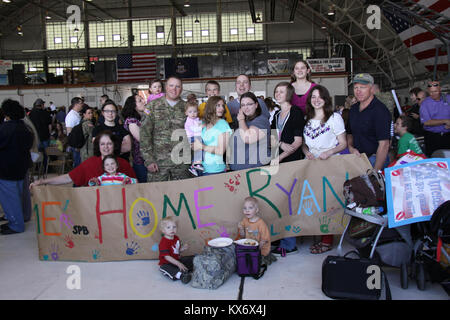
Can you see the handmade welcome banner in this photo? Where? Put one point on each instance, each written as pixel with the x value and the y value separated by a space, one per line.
pixel 122 222
pixel 415 190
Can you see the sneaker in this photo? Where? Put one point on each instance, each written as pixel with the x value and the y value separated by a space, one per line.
pixel 193 171
pixel 198 167
pixel 185 277
pixel 283 252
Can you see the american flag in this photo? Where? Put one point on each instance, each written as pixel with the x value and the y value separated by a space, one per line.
pixel 420 41
pixel 136 67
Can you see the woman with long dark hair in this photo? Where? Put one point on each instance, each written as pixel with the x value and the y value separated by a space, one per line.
pixel 133 112
pixel 288 123
pixel 302 83
pixel 324 136
pixel 105 143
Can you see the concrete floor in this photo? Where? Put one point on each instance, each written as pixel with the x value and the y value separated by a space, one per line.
pixel 295 277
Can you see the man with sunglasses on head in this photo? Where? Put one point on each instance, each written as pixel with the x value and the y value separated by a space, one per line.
pixel 435 117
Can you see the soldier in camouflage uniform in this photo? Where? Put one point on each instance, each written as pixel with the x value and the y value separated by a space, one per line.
pixel 385 97
pixel 164 116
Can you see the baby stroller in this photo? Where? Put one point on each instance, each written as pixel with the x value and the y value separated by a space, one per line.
pixel 431 253
pixel 390 247
pixel 368 233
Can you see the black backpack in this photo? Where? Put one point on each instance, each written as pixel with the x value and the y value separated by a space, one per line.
pixel 76 137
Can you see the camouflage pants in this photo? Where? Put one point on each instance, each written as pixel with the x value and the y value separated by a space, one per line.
pixel 169 173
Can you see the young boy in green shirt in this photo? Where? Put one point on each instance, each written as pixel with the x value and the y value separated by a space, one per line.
pixel 407 141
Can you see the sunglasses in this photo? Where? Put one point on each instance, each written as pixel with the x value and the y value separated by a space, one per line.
pixel 433 85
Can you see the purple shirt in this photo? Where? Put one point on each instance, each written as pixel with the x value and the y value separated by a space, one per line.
pixel 435 110
pixel 135 147
pixel 301 102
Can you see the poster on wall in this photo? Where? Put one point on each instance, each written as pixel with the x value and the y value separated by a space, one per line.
pixel 327 65
pixel 278 66
pixel 415 190
pixel 5 65
pixel 111 223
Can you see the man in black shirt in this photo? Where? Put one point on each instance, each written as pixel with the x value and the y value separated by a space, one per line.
pixel 42 121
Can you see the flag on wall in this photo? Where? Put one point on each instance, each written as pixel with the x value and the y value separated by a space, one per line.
pixel 181 67
pixel 136 67
pixel 420 41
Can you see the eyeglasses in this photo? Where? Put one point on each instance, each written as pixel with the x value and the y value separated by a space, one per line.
pixel 109 111
pixel 248 104
pixel 433 85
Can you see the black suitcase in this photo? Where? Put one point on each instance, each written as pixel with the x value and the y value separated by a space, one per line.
pixel 347 278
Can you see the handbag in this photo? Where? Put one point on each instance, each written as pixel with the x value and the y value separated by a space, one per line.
pixel 366 190
pixel 348 278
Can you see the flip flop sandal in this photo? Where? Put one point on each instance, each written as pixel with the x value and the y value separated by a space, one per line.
pixel 321 248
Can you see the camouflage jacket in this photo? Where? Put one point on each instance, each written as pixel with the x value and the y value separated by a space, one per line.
pixel 160 123
pixel 388 100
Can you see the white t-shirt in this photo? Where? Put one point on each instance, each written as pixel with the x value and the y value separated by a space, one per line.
pixel 323 137
pixel 72 119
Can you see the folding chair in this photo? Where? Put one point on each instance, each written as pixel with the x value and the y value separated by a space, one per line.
pixel 60 161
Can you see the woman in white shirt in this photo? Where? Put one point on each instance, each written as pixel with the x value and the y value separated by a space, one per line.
pixel 323 136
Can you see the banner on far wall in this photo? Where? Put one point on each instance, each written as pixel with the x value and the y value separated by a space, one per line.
pixel 327 65
pixel 278 66
pixel 5 65
pixel 415 190
pixel 122 222
pixel 181 67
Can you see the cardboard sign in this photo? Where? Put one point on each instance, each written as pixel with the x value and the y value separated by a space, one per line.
pixel 122 222
pixel 415 190
pixel 327 65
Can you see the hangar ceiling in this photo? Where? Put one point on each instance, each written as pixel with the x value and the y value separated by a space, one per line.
pixel 379 50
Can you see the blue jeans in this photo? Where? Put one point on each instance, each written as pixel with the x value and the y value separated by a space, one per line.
pixel 11 194
pixel 209 173
pixel 141 172
pixel 288 243
pixel 76 157
pixel 198 155
pixel 373 159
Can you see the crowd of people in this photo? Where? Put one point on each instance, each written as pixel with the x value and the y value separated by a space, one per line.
pixel 136 145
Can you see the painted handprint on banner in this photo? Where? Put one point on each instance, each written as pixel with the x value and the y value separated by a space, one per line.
pixel 132 248
pixel 308 208
pixel 222 231
pixel 324 223
pixel 69 241
pixel 95 254
pixel 232 184
pixel 144 217
pixel 54 252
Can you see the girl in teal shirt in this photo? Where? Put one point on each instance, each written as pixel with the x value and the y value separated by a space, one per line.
pixel 215 135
